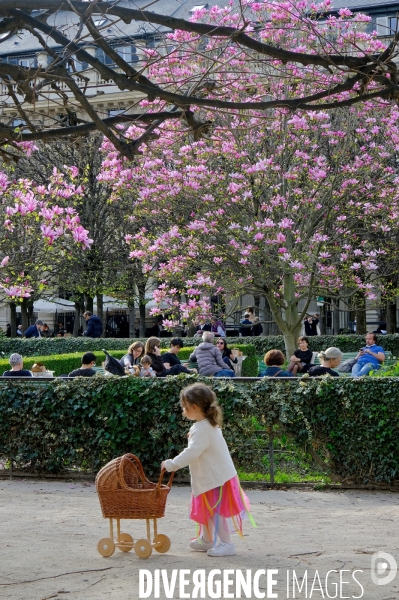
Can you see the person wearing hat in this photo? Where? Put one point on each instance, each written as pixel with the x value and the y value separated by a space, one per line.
pixel 17 367
pixel 86 370
pixel 34 331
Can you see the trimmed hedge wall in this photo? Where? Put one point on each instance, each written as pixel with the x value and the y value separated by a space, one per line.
pixel 62 364
pixel 82 424
pixel 45 347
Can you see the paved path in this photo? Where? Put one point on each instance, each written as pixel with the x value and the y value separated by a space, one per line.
pixel 49 533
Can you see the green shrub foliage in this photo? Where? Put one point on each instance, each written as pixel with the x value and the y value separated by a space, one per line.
pixel 59 425
pixel 46 347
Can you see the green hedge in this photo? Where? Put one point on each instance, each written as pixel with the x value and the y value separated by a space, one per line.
pixel 61 424
pixel 62 364
pixel 45 347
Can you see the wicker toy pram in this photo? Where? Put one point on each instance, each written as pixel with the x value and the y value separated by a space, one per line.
pixel 125 493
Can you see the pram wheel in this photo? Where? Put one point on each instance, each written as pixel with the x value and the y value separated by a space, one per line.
pixel 106 547
pixel 162 543
pixel 143 548
pixel 127 541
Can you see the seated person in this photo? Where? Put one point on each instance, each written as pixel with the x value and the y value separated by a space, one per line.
pixel 199 329
pixel 369 358
pixel 209 358
pixel 170 358
pixel 217 327
pixel 132 357
pixel 146 370
pixel 330 359
pixel 153 350
pixel 17 367
pixel 46 331
pixel 246 331
pixel 86 370
pixel 302 358
pixel 274 360
pixel 227 354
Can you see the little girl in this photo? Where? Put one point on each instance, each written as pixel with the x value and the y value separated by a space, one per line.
pixel 216 490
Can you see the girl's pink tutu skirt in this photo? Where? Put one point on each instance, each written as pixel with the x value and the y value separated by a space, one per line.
pixel 228 501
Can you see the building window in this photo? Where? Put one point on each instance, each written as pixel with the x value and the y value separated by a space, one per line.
pixel 128 53
pixel 393 25
pixel 104 58
pixel 29 61
pixel 114 112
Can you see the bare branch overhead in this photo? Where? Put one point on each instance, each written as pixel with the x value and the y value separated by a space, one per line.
pixel 362 76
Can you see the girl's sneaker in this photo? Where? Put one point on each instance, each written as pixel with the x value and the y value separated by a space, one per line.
pixel 199 545
pixel 222 549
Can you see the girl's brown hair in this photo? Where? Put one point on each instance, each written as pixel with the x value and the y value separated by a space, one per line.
pixel 205 398
pixel 150 345
pixel 303 338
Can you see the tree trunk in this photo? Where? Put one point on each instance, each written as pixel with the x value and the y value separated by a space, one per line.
pixel 322 321
pixel 26 313
pixel 391 317
pixel 13 319
pixel 100 313
pixel 288 320
pixel 361 324
pixel 132 321
pixel 141 290
pixel 89 302
pixel 142 319
pixel 78 314
pixel 336 326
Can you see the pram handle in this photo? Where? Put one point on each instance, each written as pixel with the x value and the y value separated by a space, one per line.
pixel 136 461
pixel 169 484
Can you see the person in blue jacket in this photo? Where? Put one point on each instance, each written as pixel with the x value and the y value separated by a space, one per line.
pixel 34 331
pixel 94 325
pixel 274 360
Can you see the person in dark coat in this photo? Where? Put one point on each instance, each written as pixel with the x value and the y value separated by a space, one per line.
pixel 34 331
pixel 310 325
pixel 246 331
pixel 257 328
pixel 94 325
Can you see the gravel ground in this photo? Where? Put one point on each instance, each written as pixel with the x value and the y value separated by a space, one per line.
pixel 50 530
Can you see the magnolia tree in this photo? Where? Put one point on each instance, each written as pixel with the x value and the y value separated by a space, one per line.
pixel 40 228
pixel 209 62
pixel 281 205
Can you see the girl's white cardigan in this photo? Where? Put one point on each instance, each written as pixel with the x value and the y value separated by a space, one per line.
pixel 208 457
